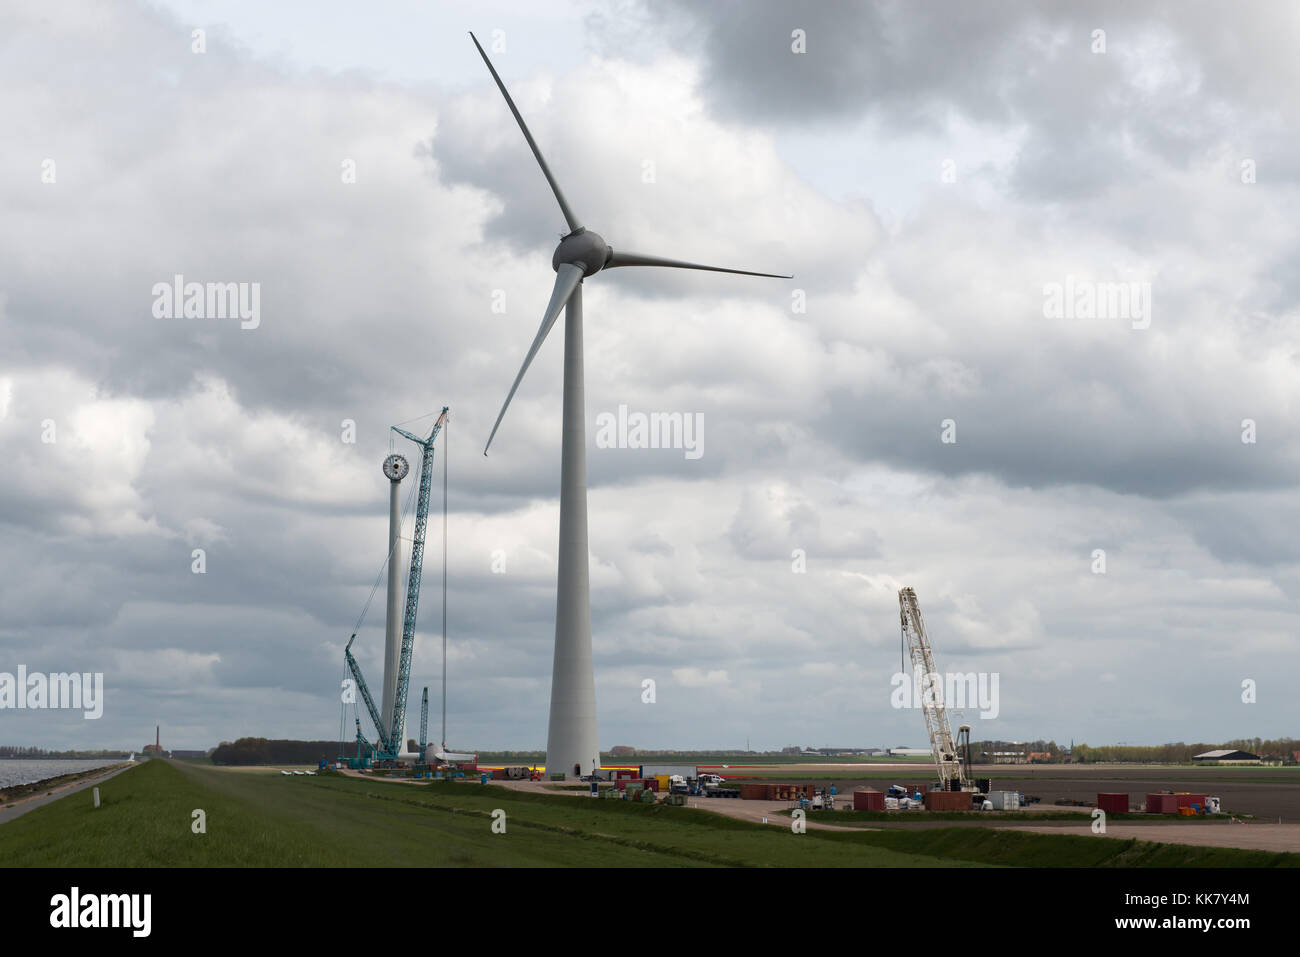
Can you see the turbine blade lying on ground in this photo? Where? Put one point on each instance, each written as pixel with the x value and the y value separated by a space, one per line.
pixel 567 278
pixel 569 216
pixel 637 259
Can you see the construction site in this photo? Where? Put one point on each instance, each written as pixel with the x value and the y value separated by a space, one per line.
pixel 952 786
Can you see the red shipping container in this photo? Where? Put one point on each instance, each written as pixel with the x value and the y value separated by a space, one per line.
pixel 1162 803
pixel 1187 800
pixel 1113 803
pixel 947 800
pixel 868 800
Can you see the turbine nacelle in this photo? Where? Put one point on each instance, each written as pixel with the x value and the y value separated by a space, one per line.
pixel 584 249
pixel 571 738
pixel 581 253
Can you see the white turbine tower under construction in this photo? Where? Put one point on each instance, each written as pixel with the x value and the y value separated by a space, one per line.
pixel 571 745
pixel 395 469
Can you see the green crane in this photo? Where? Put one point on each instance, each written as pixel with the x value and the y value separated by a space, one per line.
pixel 355 669
pixel 390 738
pixel 424 722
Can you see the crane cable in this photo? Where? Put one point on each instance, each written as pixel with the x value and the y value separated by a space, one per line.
pixel 410 495
pixel 406 507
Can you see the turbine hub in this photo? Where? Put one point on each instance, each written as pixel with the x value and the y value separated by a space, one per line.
pixel 584 249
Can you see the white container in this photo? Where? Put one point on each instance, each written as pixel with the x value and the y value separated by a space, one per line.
pixel 1005 800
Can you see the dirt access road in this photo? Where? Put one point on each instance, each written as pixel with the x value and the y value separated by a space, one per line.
pixel 1248 836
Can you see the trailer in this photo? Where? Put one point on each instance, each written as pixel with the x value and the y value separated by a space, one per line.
pixel 668 770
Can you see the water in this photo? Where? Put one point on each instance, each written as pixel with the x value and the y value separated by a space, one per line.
pixel 24 771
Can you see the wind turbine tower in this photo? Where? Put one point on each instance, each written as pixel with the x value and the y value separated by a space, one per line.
pixel 571 745
pixel 395 469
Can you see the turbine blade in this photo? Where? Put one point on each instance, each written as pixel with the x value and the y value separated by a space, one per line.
pixel 567 278
pixel 569 216
pixel 637 259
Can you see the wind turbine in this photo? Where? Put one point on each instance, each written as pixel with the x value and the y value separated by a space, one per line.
pixel 571 745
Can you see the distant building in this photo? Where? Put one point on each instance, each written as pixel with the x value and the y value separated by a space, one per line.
pixel 909 752
pixel 1039 756
pixel 1004 757
pixel 1226 755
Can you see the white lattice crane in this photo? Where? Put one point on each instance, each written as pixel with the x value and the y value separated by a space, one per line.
pixel 947 759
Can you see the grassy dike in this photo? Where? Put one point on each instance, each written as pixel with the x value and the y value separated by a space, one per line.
pixel 266 819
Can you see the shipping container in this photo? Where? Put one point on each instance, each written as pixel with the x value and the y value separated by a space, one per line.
pixel 1113 803
pixel 1005 800
pixel 947 801
pixel 1187 800
pixel 868 800
pixel 1162 803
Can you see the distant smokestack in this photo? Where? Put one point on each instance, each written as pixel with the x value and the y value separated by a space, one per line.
pixel 157 737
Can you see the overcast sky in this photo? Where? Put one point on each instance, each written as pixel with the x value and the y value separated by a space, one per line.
pixel 926 171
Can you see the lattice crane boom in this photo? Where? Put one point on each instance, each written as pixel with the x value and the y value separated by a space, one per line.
pixel 355 670
pixel 398 724
pixel 424 722
pixel 947 760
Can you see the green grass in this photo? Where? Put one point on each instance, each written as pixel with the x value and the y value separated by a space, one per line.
pixel 1022 849
pixel 266 819
pixel 262 818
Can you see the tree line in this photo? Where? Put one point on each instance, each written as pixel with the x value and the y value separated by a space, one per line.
pixel 1279 749
pixel 31 753
pixel 275 751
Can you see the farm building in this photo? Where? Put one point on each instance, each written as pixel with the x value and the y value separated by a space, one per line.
pixel 1226 755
